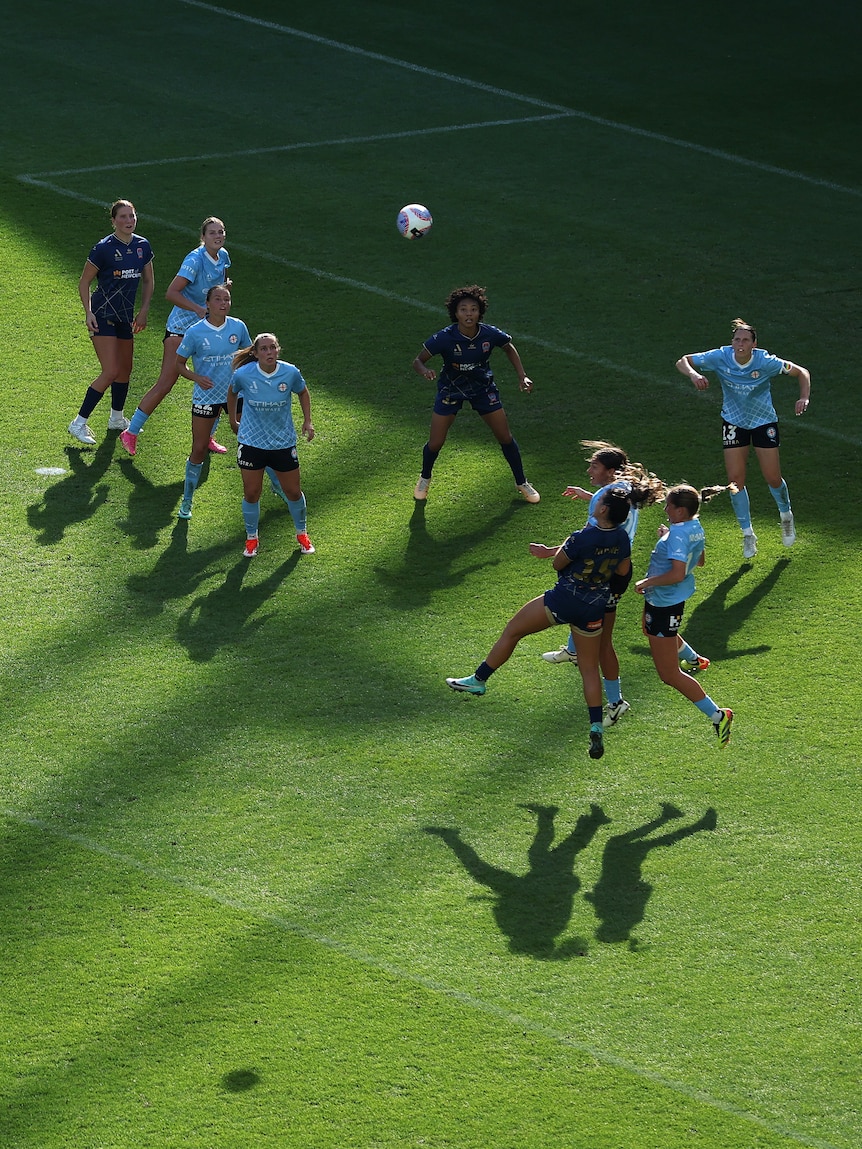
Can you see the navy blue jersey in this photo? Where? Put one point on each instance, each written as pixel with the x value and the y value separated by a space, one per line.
pixel 119 268
pixel 595 554
pixel 465 361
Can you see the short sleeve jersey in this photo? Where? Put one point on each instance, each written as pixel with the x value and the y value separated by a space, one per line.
pixel 595 554
pixel 746 391
pixel 267 419
pixel 466 369
pixel 683 542
pixel 631 523
pixel 211 350
pixel 119 269
pixel 202 273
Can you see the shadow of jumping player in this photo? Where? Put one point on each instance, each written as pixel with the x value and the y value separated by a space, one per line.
pixel 620 895
pixel 533 909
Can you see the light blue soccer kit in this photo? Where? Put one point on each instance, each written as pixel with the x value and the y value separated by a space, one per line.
pixel 211 350
pixel 746 402
pixel 202 273
pixel 267 424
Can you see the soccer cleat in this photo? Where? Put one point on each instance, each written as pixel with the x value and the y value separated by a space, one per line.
pixel 468 685
pixel 722 727
pixel 561 655
pixel 614 711
pixel 117 421
pixel 749 544
pixel 597 741
pixel 185 511
pixel 250 548
pixel 528 491
pixel 694 667
pixel 216 448
pixel 129 441
pixel 305 544
pixel 420 491
pixel 82 432
pixel 788 528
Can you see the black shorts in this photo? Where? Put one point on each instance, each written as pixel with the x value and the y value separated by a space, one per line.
pixel 256 458
pixel 208 410
pixel 764 436
pixel 662 621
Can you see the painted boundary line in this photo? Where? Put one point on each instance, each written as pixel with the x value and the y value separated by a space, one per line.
pixel 33 177
pixel 515 1020
pixel 477 85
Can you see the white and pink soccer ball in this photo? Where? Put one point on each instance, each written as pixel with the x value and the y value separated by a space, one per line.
pixel 414 221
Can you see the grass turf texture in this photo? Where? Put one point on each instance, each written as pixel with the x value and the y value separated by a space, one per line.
pixel 225 919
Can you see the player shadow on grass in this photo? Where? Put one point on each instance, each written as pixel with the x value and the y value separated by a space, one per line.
pixel 620 896
pixel 178 571
pixel 76 497
pixel 151 508
pixel 224 616
pixel 716 620
pixel 429 564
pixel 533 909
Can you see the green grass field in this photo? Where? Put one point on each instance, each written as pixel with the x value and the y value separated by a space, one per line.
pixel 267 882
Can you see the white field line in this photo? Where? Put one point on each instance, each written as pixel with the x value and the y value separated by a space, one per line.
pixel 476 85
pixel 517 1021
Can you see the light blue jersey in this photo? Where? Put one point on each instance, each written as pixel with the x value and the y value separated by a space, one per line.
pixel 202 273
pixel 685 542
pixel 630 526
pixel 746 391
pixel 211 350
pixel 267 419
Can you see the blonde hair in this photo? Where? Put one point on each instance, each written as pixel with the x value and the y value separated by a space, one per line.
pixel 690 498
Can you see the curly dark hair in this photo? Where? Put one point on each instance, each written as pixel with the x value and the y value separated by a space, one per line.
pixel 471 291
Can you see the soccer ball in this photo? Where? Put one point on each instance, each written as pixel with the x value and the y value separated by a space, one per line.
pixel 414 221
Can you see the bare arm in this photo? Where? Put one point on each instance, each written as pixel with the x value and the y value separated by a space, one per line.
pixel 305 404
pixel 87 276
pixel 183 369
pixel 148 283
pixel 669 578
pixel 175 297
pixel 419 365
pixel 804 377
pixel 684 366
pixel 524 382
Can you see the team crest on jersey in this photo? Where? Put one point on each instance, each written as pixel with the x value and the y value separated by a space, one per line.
pixel 140 253
pixel 771 431
pixel 755 374
pixel 282 386
pixel 486 347
pixel 233 339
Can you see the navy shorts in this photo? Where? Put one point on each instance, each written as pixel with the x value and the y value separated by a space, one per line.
pixel 585 615
pixel 256 458
pixel 764 436
pixel 113 328
pixel 450 400
pixel 662 621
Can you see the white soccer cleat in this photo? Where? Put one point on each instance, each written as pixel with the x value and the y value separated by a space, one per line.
pixel 788 528
pixel 79 430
